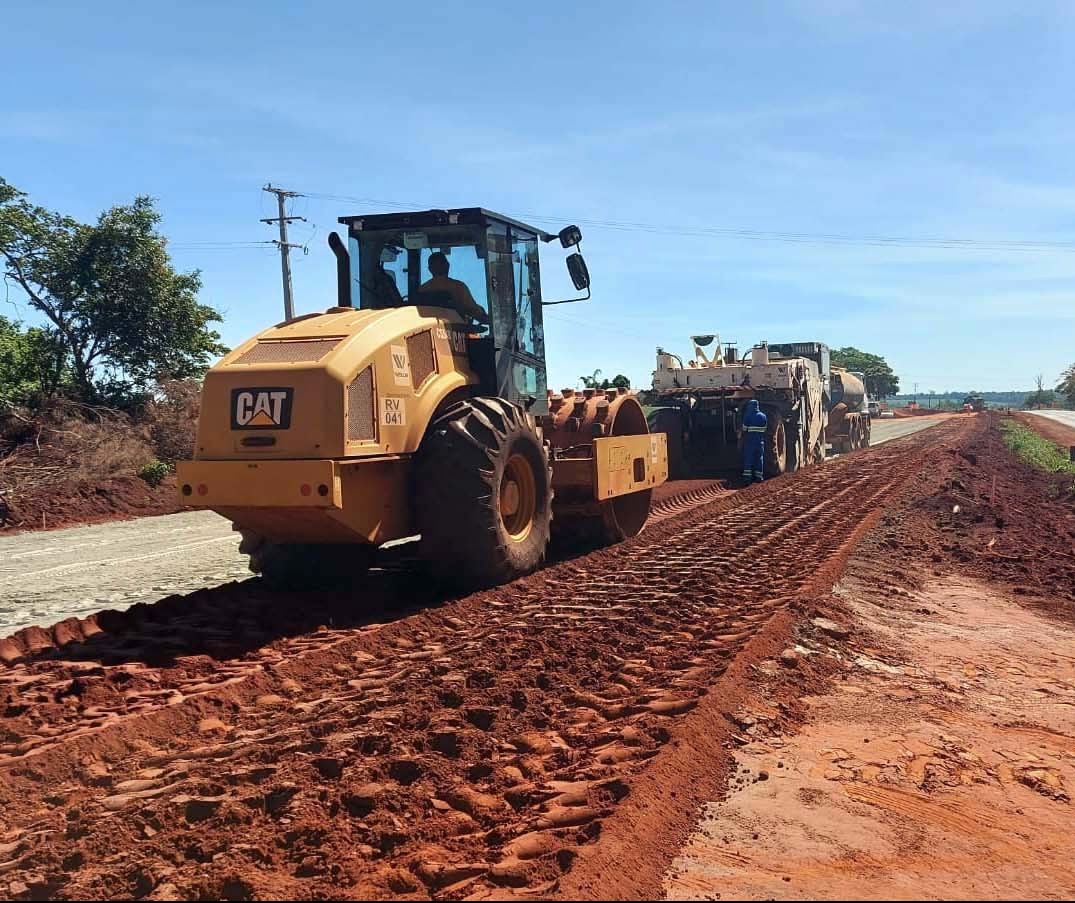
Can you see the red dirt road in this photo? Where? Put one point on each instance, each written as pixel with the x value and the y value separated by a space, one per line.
pixel 935 758
pixel 225 745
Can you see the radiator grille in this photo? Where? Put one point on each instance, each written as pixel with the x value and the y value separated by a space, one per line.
pixel 420 351
pixel 361 411
pixel 300 351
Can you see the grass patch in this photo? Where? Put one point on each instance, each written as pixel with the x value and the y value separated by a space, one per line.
pixel 1035 450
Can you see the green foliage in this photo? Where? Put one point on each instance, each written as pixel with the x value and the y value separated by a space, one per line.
pixel 155 471
pixel 112 300
pixel 881 381
pixel 32 365
pixel 1040 398
pixel 1035 450
pixel 1066 386
pixel 619 381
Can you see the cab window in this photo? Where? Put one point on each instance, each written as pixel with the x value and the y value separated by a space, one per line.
pixel 389 267
pixel 524 253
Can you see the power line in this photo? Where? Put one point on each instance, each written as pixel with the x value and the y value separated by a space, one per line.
pixel 818 238
pixel 220 245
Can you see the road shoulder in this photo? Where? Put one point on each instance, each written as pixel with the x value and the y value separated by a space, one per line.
pixel 937 761
pixel 959 743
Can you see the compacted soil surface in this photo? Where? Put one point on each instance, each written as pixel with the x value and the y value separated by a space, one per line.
pixel 562 735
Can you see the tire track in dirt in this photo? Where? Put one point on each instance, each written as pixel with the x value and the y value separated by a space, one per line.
pixel 674 503
pixel 452 751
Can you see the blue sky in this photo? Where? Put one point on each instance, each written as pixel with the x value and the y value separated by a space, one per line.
pixel 819 117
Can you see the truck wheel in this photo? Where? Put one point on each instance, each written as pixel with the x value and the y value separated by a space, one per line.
pixel 670 422
pixel 776 450
pixel 483 493
pixel 303 565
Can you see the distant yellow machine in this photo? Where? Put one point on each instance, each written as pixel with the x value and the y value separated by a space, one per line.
pixel 326 436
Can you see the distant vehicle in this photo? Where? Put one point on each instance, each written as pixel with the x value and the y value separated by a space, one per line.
pixel 808 404
pixel 974 402
pixel 887 414
pixel 875 409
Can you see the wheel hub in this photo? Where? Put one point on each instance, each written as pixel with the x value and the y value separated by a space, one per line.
pixel 509 498
pixel 518 497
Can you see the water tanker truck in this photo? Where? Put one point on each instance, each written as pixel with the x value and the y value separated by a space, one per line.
pixel 849 411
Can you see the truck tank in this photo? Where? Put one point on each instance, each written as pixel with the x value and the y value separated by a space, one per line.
pixel 848 389
pixel 849 413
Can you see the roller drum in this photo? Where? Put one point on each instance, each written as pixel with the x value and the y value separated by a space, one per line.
pixel 574 420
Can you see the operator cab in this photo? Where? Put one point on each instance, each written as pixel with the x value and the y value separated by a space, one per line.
pixel 387 263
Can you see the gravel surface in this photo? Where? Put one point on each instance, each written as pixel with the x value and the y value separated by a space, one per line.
pixel 56 574
pixel 882 431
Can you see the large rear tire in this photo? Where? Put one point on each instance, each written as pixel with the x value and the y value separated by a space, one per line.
pixel 483 494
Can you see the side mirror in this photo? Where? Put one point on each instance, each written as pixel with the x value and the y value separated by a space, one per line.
pixel 570 236
pixel 580 275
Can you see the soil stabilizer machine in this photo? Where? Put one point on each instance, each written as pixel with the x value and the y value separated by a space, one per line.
pixel 807 403
pixel 391 415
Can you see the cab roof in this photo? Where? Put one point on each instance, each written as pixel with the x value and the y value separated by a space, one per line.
pixel 419 219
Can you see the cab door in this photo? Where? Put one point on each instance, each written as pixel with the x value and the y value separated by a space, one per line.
pixel 518 331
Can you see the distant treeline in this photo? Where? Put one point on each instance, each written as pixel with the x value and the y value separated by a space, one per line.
pixel 1012 399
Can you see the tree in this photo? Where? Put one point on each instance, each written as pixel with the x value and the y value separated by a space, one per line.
pixel 619 381
pixel 590 382
pixel 1066 386
pixel 32 364
pixel 111 298
pixel 1041 396
pixel 881 381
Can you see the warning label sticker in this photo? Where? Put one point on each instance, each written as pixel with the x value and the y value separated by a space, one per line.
pixel 401 365
pixel 393 411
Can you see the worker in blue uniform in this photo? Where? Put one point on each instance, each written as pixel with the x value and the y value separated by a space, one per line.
pixel 754 424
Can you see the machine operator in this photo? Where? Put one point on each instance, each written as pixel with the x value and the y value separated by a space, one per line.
pixel 461 298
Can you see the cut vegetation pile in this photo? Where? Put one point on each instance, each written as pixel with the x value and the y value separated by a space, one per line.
pixel 73 463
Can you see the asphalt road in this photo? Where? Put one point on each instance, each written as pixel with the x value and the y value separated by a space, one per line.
pixel 1065 417
pixel 885 430
pixel 48 576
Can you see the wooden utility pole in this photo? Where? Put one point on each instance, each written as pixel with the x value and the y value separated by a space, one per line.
pixel 282 243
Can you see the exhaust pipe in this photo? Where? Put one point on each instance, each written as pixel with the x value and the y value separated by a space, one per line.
pixel 343 270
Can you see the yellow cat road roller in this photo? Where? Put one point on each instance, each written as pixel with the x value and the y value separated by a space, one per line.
pixel 418 407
